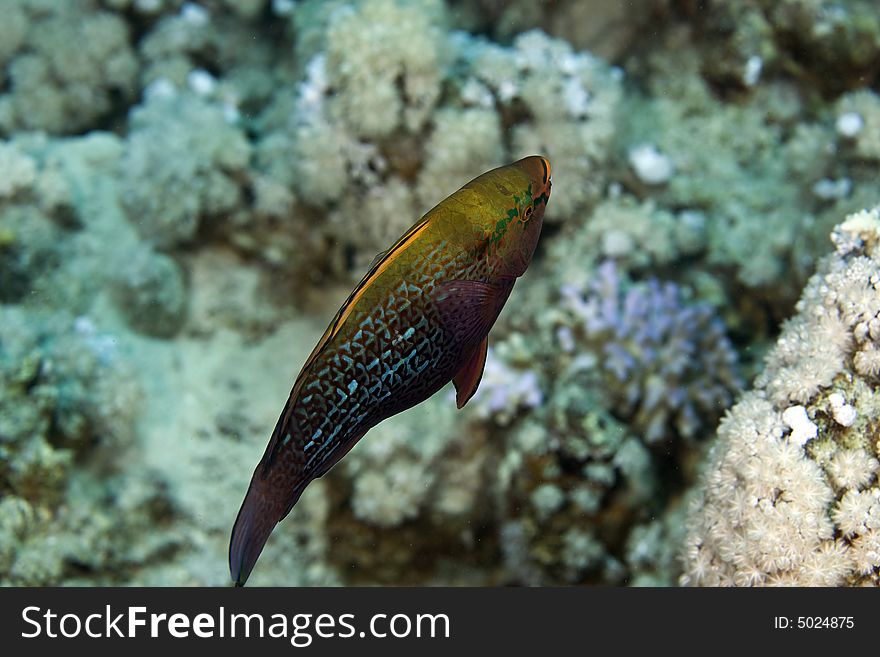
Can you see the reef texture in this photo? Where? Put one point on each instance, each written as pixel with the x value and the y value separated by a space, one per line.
pixel 790 494
pixel 189 189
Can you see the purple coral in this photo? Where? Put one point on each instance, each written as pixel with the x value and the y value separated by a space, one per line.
pixel 665 364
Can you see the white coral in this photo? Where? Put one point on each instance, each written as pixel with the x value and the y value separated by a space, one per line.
pixel 802 429
pixel 857 512
pixel 772 510
pixel 384 59
pixel 852 468
pixel 859 120
pixel 844 414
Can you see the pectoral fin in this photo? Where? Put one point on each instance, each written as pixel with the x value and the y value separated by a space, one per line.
pixel 468 378
pixel 469 308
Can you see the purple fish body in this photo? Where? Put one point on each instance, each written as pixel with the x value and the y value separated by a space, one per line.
pixel 419 319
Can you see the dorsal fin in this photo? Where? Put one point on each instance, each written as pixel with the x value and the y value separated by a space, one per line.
pixel 379 257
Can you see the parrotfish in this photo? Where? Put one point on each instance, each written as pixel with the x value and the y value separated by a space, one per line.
pixel 418 319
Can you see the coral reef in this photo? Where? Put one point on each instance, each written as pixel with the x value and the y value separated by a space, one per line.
pixel 575 451
pixel 66 421
pixel 188 189
pixel 150 290
pixel 413 500
pixel 631 375
pixel 608 29
pixel 829 44
pixel 438 110
pixel 386 79
pixel 570 99
pixel 663 364
pixel 751 154
pixel 858 123
pixel 185 147
pixel 790 494
pixel 65 66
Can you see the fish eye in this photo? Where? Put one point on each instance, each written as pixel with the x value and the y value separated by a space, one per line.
pixel 529 212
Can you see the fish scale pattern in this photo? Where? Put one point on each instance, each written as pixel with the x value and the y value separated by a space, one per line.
pixel 385 359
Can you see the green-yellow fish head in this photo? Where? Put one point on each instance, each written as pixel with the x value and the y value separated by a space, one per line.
pixel 525 231
pixel 505 207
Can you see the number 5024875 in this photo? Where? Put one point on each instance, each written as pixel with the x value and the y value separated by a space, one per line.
pixel 825 622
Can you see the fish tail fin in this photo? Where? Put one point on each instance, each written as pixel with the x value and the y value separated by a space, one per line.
pixel 259 513
pixel 256 520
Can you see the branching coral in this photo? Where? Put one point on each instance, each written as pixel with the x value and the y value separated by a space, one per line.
pixel 505 391
pixel 666 366
pixel 790 495
pixel 630 375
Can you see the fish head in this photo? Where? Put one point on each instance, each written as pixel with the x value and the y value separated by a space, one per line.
pixel 501 212
pixel 524 231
